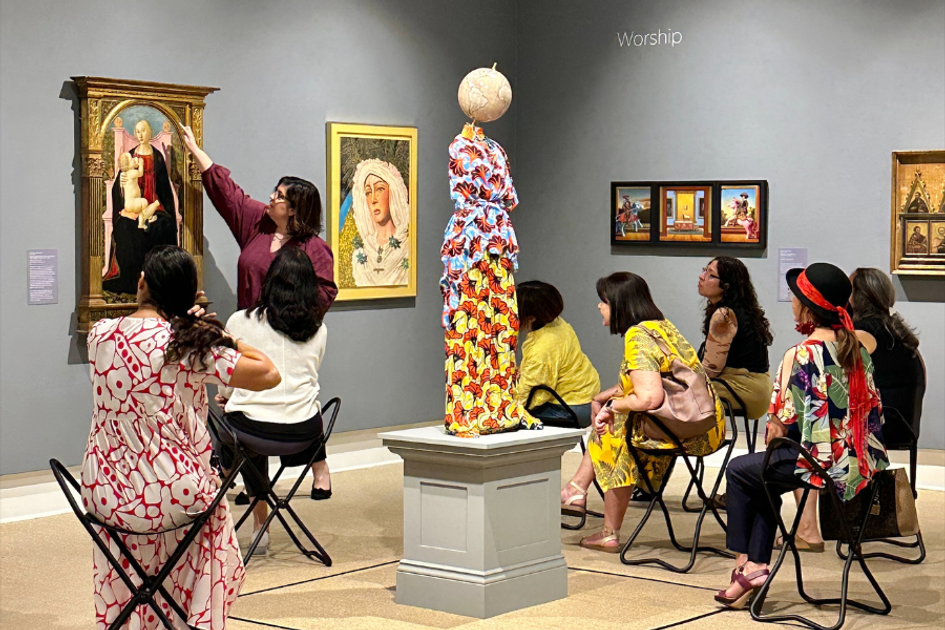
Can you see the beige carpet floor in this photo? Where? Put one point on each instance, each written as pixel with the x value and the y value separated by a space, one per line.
pixel 45 574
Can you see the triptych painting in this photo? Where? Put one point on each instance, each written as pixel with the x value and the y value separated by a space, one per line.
pixel 734 213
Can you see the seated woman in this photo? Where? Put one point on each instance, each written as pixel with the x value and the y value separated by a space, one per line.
pixel 737 335
pixel 628 309
pixel 147 463
pixel 871 306
pixel 286 323
pixel 841 427
pixel 551 355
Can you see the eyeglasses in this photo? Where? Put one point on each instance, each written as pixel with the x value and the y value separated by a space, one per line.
pixel 277 196
pixel 705 272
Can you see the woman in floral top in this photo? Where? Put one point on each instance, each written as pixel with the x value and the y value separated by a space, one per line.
pixel 825 399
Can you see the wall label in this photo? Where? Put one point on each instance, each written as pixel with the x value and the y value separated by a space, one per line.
pixel 788 259
pixel 42 275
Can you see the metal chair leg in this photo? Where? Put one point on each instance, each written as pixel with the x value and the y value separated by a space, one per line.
pixel 844 601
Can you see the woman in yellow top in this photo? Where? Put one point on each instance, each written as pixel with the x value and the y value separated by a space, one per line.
pixel 551 356
pixel 628 309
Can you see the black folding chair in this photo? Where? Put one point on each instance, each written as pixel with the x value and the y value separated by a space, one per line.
pixel 741 410
pixel 228 437
pixel 901 433
pixel 142 594
pixel 571 423
pixel 708 501
pixel 851 535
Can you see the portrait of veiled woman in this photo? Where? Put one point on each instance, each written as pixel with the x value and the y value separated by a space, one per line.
pixel 372 210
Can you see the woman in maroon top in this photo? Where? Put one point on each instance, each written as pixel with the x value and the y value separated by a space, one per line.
pixel 293 217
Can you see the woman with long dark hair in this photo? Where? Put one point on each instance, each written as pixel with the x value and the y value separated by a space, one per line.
pixel 737 335
pixel 871 305
pixel 840 424
pixel 147 464
pixel 286 323
pixel 628 310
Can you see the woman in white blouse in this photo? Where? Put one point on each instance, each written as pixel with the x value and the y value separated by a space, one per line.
pixel 286 324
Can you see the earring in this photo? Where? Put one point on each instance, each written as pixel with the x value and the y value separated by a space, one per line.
pixel 806 328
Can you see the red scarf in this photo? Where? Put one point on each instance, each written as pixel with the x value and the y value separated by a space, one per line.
pixel 858 396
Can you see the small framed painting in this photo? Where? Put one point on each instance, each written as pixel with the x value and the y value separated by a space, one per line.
pixel 686 214
pixel 372 210
pixel 917 233
pixel 630 212
pixel 743 208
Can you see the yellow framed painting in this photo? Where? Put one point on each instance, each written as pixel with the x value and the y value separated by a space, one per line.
pixel 372 210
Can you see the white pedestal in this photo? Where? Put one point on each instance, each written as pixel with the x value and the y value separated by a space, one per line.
pixel 482 519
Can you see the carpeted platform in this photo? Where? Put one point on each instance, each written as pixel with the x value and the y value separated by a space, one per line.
pixel 45 574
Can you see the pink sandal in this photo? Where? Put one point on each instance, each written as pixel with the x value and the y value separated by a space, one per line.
pixel 744 599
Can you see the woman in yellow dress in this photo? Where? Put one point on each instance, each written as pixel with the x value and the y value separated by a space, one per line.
pixel 628 309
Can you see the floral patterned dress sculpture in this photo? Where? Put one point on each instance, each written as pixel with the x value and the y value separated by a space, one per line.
pixel 480 313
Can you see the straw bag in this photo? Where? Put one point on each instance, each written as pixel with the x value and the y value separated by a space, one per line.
pixel 892 513
pixel 688 408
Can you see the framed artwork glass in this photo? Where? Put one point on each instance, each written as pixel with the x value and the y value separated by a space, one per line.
pixel 685 212
pixel 917 231
pixel 630 212
pixel 743 213
pixel 372 217
pixel 139 187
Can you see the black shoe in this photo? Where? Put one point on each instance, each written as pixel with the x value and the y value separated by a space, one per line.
pixel 319 494
pixel 639 494
pixel 241 499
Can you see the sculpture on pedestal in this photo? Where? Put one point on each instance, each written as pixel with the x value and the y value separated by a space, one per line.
pixel 479 253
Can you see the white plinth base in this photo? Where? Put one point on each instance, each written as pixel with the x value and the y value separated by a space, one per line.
pixel 481 520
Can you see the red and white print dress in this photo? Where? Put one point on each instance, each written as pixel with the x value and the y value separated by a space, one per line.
pixel 147 465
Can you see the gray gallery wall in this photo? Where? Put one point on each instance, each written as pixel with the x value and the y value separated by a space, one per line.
pixel 284 69
pixel 812 96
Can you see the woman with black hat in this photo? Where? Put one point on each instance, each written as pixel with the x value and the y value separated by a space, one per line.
pixel 840 423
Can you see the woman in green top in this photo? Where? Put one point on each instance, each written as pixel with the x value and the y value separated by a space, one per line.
pixel 552 356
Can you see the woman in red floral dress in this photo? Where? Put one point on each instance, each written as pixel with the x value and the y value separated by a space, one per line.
pixel 147 464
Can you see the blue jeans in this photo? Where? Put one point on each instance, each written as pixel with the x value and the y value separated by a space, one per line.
pixel 555 415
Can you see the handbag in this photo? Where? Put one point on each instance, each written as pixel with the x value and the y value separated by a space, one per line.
pixel 688 407
pixel 892 512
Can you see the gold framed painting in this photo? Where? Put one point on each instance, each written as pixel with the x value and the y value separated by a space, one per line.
pixel 917 230
pixel 372 210
pixel 139 186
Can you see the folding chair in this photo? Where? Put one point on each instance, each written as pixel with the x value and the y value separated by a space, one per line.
pixel 245 444
pixel 571 423
pixel 901 433
pixel 751 433
pixel 851 535
pixel 151 585
pixel 740 410
pixel 708 501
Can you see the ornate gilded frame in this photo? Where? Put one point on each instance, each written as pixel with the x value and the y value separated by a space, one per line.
pixel 918 199
pixel 101 100
pixel 342 250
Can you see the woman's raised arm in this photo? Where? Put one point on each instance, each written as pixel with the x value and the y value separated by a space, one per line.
pixel 203 160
